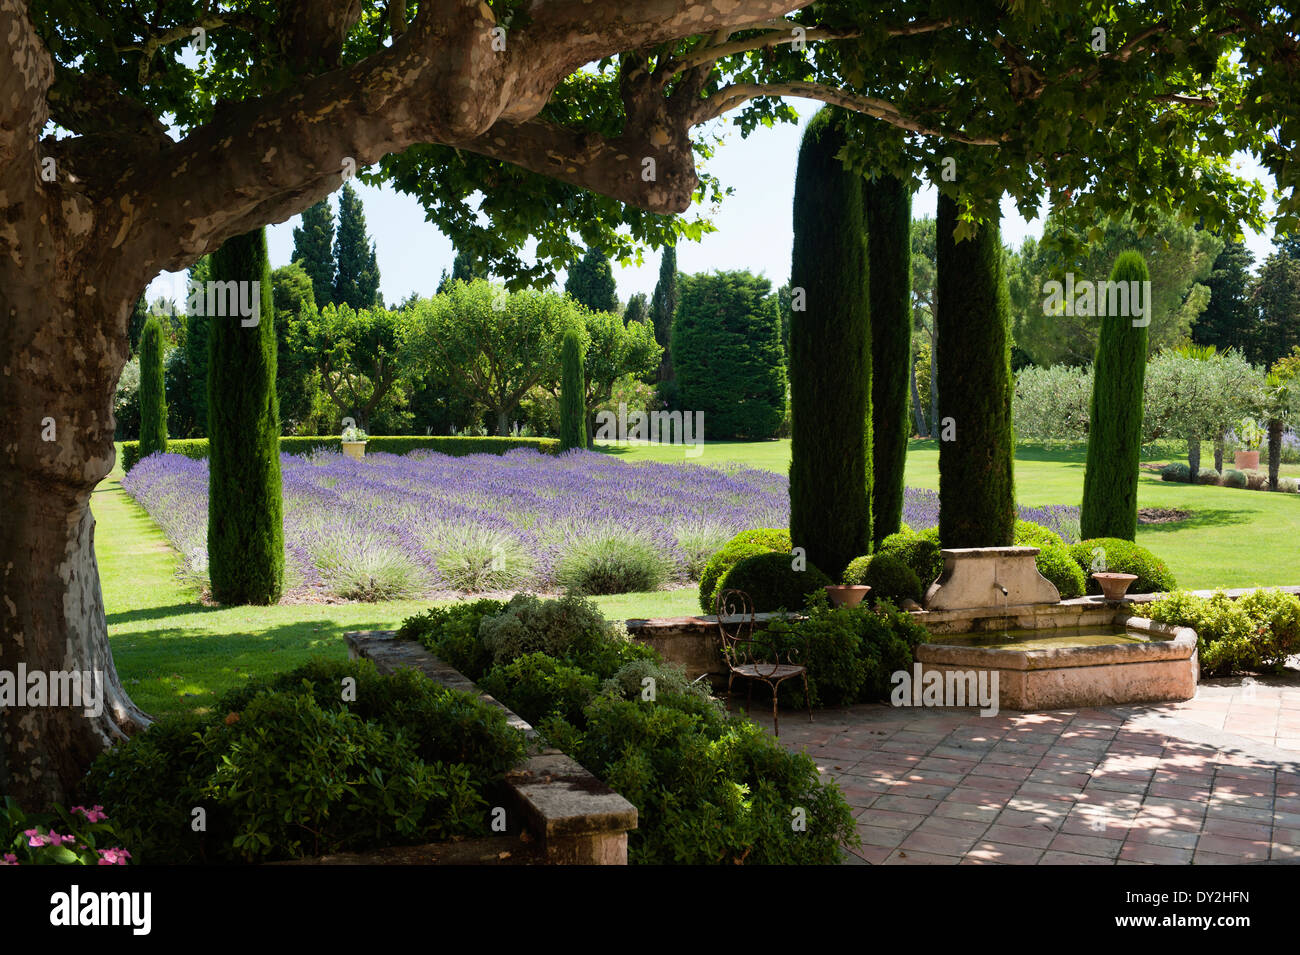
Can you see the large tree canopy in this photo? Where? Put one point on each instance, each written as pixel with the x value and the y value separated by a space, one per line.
pixel 126 149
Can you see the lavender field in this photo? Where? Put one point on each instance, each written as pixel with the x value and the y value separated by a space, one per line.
pixel 392 527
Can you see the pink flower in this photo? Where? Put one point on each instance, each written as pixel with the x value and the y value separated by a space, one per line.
pixel 94 814
pixel 8 859
pixel 34 838
pixel 58 840
pixel 113 857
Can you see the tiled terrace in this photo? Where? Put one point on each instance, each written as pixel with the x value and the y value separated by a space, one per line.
pixel 1215 780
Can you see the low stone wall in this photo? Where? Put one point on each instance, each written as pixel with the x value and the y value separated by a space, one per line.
pixel 693 643
pixel 576 818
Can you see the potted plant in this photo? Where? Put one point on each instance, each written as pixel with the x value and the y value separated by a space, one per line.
pixel 1251 435
pixel 1113 584
pixel 354 442
pixel 846 595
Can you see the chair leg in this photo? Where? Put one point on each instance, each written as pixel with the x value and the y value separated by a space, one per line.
pixel 776 723
pixel 806 696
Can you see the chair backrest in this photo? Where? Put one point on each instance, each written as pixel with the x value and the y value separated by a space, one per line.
pixel 735 612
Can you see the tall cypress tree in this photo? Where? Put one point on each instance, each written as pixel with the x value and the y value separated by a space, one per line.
pixel 663 305
pixel 245 513
pixel 1110 481
pixel 153 399
pixel 638 309
pixel 313 246
pixel 573 393
pixel 591 282
pixel 135 324
pixel 830 360
pixel 889 245
pixel 356 276
pixel 976 446
pixel 1229 319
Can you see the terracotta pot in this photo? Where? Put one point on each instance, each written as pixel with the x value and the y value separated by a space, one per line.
pixel 1113 585
pixel 846 595
pixel 1246 460
pixel 354 449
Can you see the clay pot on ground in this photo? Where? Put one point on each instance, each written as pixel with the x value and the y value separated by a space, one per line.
pixel 847 595
pixel 1113 585
pixel 356 450
pixel 1246 460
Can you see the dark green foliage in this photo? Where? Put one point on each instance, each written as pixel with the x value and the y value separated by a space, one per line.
pixel 1110 480
pixel 286 768
pixel 189 388
pixel 975 386
pixel 1176 471
pixel 153 398
pixel 1055 562
pixel 537 686
pixel 135 324
pixel 1253 634
pixel 451 634
pixel 772 583
pixel 245 512
pixel 638 309
pixel 464 268
pixel 889 245
pixel 591 282
pixel 920 553
pixel 1029 534
pixel 727 354
pixel 570 629
pixel 1123 557
pixel 296 382
pixel 1229 319
pixel 761 540
pixel 887 575
pixel 830 362
pixel 663 307
pixel 356 275
pixel 573 392
pixel 313 249
pixel 1275 296
pixel 455 446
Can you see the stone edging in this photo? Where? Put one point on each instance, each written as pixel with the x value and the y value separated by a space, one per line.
pixel 577 818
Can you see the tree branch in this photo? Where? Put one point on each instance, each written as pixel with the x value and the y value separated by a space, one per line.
pixel 730 97
pixel 25 80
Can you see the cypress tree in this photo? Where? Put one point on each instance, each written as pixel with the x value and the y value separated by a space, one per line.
pixel 663 306
pixel 830 360
pixel 245 518
pixel 356 276
pixel 889 248
pixel 313 247
pixel 591 282
pixel 976 446
pixel 135 324
pixel 153 398
pixel 638 309
pixel 573 394
pixel 1110 481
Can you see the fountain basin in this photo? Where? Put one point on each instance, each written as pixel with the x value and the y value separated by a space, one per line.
pixel 1056 666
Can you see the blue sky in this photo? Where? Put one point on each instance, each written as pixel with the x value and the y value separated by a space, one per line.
pixel 754 224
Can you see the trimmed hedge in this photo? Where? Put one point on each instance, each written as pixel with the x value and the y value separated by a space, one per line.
pixel 772 583
pixel 760 540
pixel 1125 557
pixel 887 575
pixel 1176 471
pixel 1057 564
pixel 920 552
pixel 454 446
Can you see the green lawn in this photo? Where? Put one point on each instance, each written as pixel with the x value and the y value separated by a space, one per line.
pixel 176 654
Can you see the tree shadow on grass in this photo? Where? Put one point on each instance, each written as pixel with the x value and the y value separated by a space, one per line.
pixel 1213 517
pixel 159 613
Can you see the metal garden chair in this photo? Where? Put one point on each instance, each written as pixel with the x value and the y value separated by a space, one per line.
pixel 735 612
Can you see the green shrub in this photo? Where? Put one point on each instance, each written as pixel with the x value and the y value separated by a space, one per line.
pixel 1254 634
pixel 613 562
pixel 709 791
pixel 1123 557
pixel 569 629
pixel 1257 480
pixel 724 560
pixel 537 686
pixel 1207 476
pixel 668 678
pixel 59 837
pixel 152 393
pixel 1176 471
pixel 1029 534
pixel 920 552
pixel 293 767
pixel 451 634
pixel 1058 565
pixel 857 569
pixel 454 446
pixel 1288 484
pixel 772 583
pixel 931 534
pixel 887 576
pixel 1234 478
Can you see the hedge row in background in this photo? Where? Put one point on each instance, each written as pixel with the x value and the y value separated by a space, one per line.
pixel 455 446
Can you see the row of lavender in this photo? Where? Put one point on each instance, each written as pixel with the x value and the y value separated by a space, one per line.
pixel 390 527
